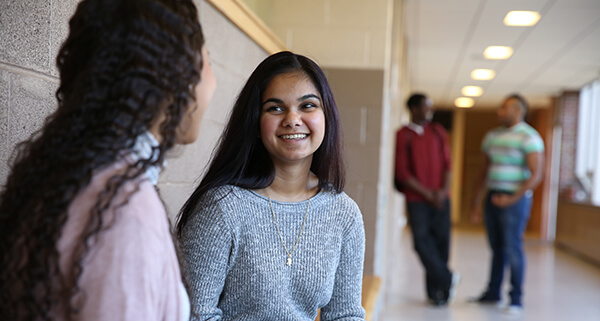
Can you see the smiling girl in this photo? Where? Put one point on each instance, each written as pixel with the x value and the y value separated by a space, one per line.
pixel 269 234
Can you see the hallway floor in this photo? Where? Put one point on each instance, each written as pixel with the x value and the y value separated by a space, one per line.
pixel 558 285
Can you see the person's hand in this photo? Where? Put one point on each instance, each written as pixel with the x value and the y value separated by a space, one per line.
pixel 503 200
pixel 476 214
pixel 429 196
pixel 439 199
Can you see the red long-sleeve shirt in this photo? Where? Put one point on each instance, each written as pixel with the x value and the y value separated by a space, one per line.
pixel 425 157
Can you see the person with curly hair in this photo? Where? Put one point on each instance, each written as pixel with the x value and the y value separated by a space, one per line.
pixel 84 234
pixel 269 233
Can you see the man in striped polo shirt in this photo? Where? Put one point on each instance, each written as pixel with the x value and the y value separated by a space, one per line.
pixel 513 167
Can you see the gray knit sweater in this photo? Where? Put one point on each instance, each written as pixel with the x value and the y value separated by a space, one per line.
pixel 237 265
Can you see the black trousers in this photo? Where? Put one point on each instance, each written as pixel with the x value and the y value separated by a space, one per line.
pixel 431 239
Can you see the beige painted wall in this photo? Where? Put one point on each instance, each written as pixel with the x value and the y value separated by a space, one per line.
pixel 393 204
pixel 336 33
pixel 30 35
pixel 359 94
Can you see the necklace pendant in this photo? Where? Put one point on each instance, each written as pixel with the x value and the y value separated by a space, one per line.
pixel 288 262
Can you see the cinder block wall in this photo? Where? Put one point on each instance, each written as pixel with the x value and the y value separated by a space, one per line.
pixel 31 33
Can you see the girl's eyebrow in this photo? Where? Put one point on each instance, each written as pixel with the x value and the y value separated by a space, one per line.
pixel 274 100
pixel 302 98
pixel 309 96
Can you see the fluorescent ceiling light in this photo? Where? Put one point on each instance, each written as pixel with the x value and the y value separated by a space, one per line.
pixel 497 52
pixel 521 18
pixel 483 74
pixel 464 102
pixel 472 91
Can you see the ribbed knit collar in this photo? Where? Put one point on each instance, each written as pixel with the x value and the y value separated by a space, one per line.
pixel 316 199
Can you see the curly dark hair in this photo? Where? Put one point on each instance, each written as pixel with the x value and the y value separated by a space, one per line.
pixel 241 159
pixel 124 65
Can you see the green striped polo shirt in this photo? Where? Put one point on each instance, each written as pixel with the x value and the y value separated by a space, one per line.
pixel 507 149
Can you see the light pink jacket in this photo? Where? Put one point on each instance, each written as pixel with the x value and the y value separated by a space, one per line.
pixel 131 271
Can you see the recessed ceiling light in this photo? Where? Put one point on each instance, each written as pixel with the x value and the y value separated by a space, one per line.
pixel 521 18
pixel 497 52
pixel 464 102
pixel 483 74
pixel 472 91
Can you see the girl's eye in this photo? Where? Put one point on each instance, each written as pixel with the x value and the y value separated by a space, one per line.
pixel 309 105
pixel 274 109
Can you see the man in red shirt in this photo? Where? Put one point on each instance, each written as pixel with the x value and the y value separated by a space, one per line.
pixel 423 175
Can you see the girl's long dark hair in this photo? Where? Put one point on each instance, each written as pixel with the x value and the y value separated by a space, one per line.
pixel 124 64
pixel 241 158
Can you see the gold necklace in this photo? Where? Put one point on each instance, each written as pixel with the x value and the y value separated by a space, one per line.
pixel 288 262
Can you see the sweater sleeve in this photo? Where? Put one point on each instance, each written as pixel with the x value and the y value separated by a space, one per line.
pixel 345 303
pixel 207 243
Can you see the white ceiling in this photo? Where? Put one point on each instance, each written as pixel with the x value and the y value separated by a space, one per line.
pixel 446 40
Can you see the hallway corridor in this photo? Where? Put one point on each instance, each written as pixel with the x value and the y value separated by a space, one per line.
pixel 558 286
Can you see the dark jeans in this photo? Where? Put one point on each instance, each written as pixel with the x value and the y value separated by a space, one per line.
pixel 505 228
pixel 431 239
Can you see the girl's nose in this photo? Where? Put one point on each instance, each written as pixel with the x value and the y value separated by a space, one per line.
pixel 292 119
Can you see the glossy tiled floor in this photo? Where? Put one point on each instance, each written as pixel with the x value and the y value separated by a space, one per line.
pixel 558 285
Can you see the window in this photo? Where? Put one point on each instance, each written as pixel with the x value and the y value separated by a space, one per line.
pixel 587 166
